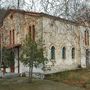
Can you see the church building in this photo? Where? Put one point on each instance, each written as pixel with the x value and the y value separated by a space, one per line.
pixel 66 43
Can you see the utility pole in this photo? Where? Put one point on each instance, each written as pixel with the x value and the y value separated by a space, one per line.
pixel 17 28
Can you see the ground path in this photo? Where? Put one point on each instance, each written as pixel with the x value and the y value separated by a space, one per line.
pixel 17 84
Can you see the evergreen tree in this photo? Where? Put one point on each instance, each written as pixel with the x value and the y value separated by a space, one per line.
pixel 32 55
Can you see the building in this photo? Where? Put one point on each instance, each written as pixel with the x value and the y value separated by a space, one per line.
pixel 66 43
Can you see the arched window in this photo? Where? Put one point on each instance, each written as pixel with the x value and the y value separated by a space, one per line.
pixel 73 53
pixel 30 31
pixel 86 37
pixel 13 35
pixel 52 52
pixel 33 32
pixel 10 37
pixel 63 52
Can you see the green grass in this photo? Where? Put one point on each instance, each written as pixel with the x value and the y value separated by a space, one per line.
pixel 79 77
pixel 23 84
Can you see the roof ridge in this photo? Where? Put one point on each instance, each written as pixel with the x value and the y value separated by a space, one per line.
pixel 39 14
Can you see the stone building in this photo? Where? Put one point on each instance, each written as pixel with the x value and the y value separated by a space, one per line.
pixel 66 43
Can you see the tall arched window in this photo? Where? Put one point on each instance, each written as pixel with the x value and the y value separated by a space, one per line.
pixel 52 52
pixel 0 39
pixel 86 37
pixel 13 35
pixel 33 32
pixel 10 37
pixel 73 53
pixel 63 52
pixel 30 31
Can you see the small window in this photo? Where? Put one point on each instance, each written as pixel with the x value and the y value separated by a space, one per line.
pixel 73 53
pixel 52 52
pixel 63 52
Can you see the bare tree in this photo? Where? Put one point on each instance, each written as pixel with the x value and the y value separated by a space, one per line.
pixel 63 8
pixel 15 4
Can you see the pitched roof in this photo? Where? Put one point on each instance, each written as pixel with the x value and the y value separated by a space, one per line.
pixel 4 13
pixel 41 14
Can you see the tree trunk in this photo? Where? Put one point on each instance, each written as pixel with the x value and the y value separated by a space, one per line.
pixel 30 70
pixel 30 73
pixel 4 70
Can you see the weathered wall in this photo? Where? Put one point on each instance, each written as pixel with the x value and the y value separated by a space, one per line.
pixel 61 34
pixel 52 32
pixel 20 23
pixel 83 46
